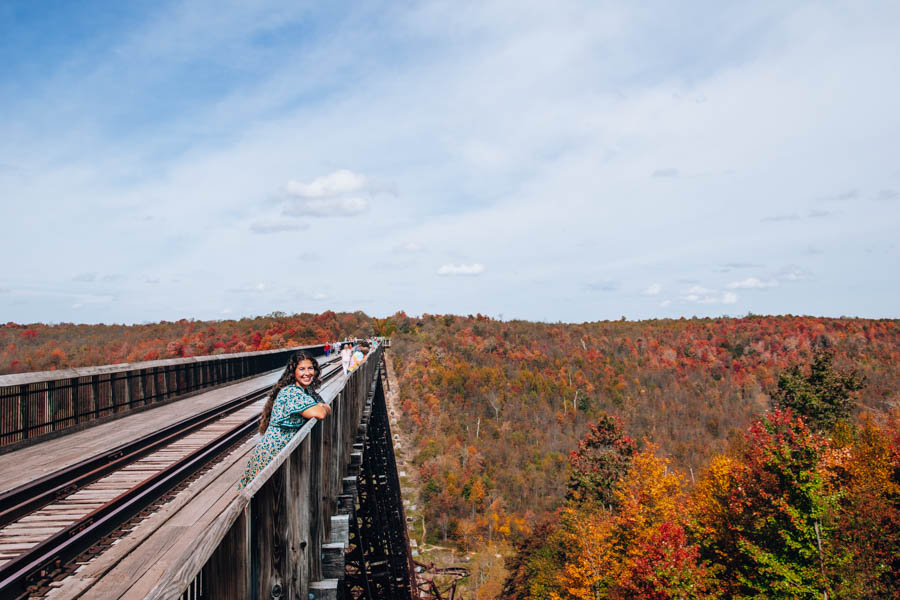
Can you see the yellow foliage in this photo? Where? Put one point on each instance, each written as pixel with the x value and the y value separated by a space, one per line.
pixel 599 543
pixel 593 562
pixel 648 495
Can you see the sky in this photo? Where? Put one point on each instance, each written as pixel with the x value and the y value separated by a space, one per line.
pixel 549 161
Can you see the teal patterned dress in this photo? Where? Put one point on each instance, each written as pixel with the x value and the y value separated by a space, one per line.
pixel 283 424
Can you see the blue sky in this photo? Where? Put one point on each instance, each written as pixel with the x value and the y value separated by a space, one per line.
pixel 567 161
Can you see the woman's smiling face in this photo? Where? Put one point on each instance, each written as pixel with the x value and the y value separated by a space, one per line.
pixel 305 373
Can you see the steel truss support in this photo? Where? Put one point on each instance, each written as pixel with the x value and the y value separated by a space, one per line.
pixel 379 565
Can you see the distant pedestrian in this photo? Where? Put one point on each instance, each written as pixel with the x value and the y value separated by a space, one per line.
pixel 357 357
pixel 346 354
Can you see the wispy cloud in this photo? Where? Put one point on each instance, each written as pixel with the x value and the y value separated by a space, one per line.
pixel 844 196
pixel 665 173
pixel 409 248
pixel 325 207
pixel 653 289
pixel 752 283
pixel 733 266
pixel 602 286
pixel 701 295
pixel 453 269
pixel 815 213
pixel 328 186
pixel 793 273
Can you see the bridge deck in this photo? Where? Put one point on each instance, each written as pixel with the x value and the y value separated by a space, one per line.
pixel 131 568
pixel 26 464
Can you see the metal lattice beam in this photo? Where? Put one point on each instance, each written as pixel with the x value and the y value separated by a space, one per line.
pixel 378 559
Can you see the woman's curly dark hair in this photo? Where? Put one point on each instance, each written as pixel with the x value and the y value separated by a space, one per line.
pixel 286 379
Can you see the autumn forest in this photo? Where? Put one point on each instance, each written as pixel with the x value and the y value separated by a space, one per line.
pixel 697 458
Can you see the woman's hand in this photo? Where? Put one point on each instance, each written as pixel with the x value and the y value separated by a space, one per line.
pixel 319 411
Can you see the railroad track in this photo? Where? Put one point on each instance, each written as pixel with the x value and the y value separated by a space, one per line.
pixel 48 522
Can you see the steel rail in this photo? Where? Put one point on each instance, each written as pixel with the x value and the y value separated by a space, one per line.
pixel 19 573
pixel 19 501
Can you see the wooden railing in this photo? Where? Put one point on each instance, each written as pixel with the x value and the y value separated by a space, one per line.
pixel 41 404
pixel 279 537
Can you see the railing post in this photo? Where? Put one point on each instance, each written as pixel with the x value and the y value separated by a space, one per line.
pixel 95 396
pixel 48 419
pixel 113 396
pixel 23 410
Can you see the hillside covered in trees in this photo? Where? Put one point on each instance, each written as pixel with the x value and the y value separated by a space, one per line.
pixel 498 408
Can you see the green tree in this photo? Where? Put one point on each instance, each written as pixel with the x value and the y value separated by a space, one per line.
pixel 768 543
pixel 820 394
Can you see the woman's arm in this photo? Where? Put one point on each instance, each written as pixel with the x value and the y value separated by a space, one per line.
pixel 319 411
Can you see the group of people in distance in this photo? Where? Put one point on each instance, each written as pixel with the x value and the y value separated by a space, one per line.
pixel 293 401
pixel 353 354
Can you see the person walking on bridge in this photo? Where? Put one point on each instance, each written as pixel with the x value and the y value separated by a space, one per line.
pixel 346 353
pixel 292 401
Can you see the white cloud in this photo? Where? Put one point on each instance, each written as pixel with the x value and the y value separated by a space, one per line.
pixel 85 277
pixel 701 295
pixel 794 273
pixel 699 289
pixel 342 193
pixel 607 285
pixel 665 303
pixel 653 289
pixel 408 248
pixel 325 207
pixel 336 184
pixel 752 283
pixel 452 269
